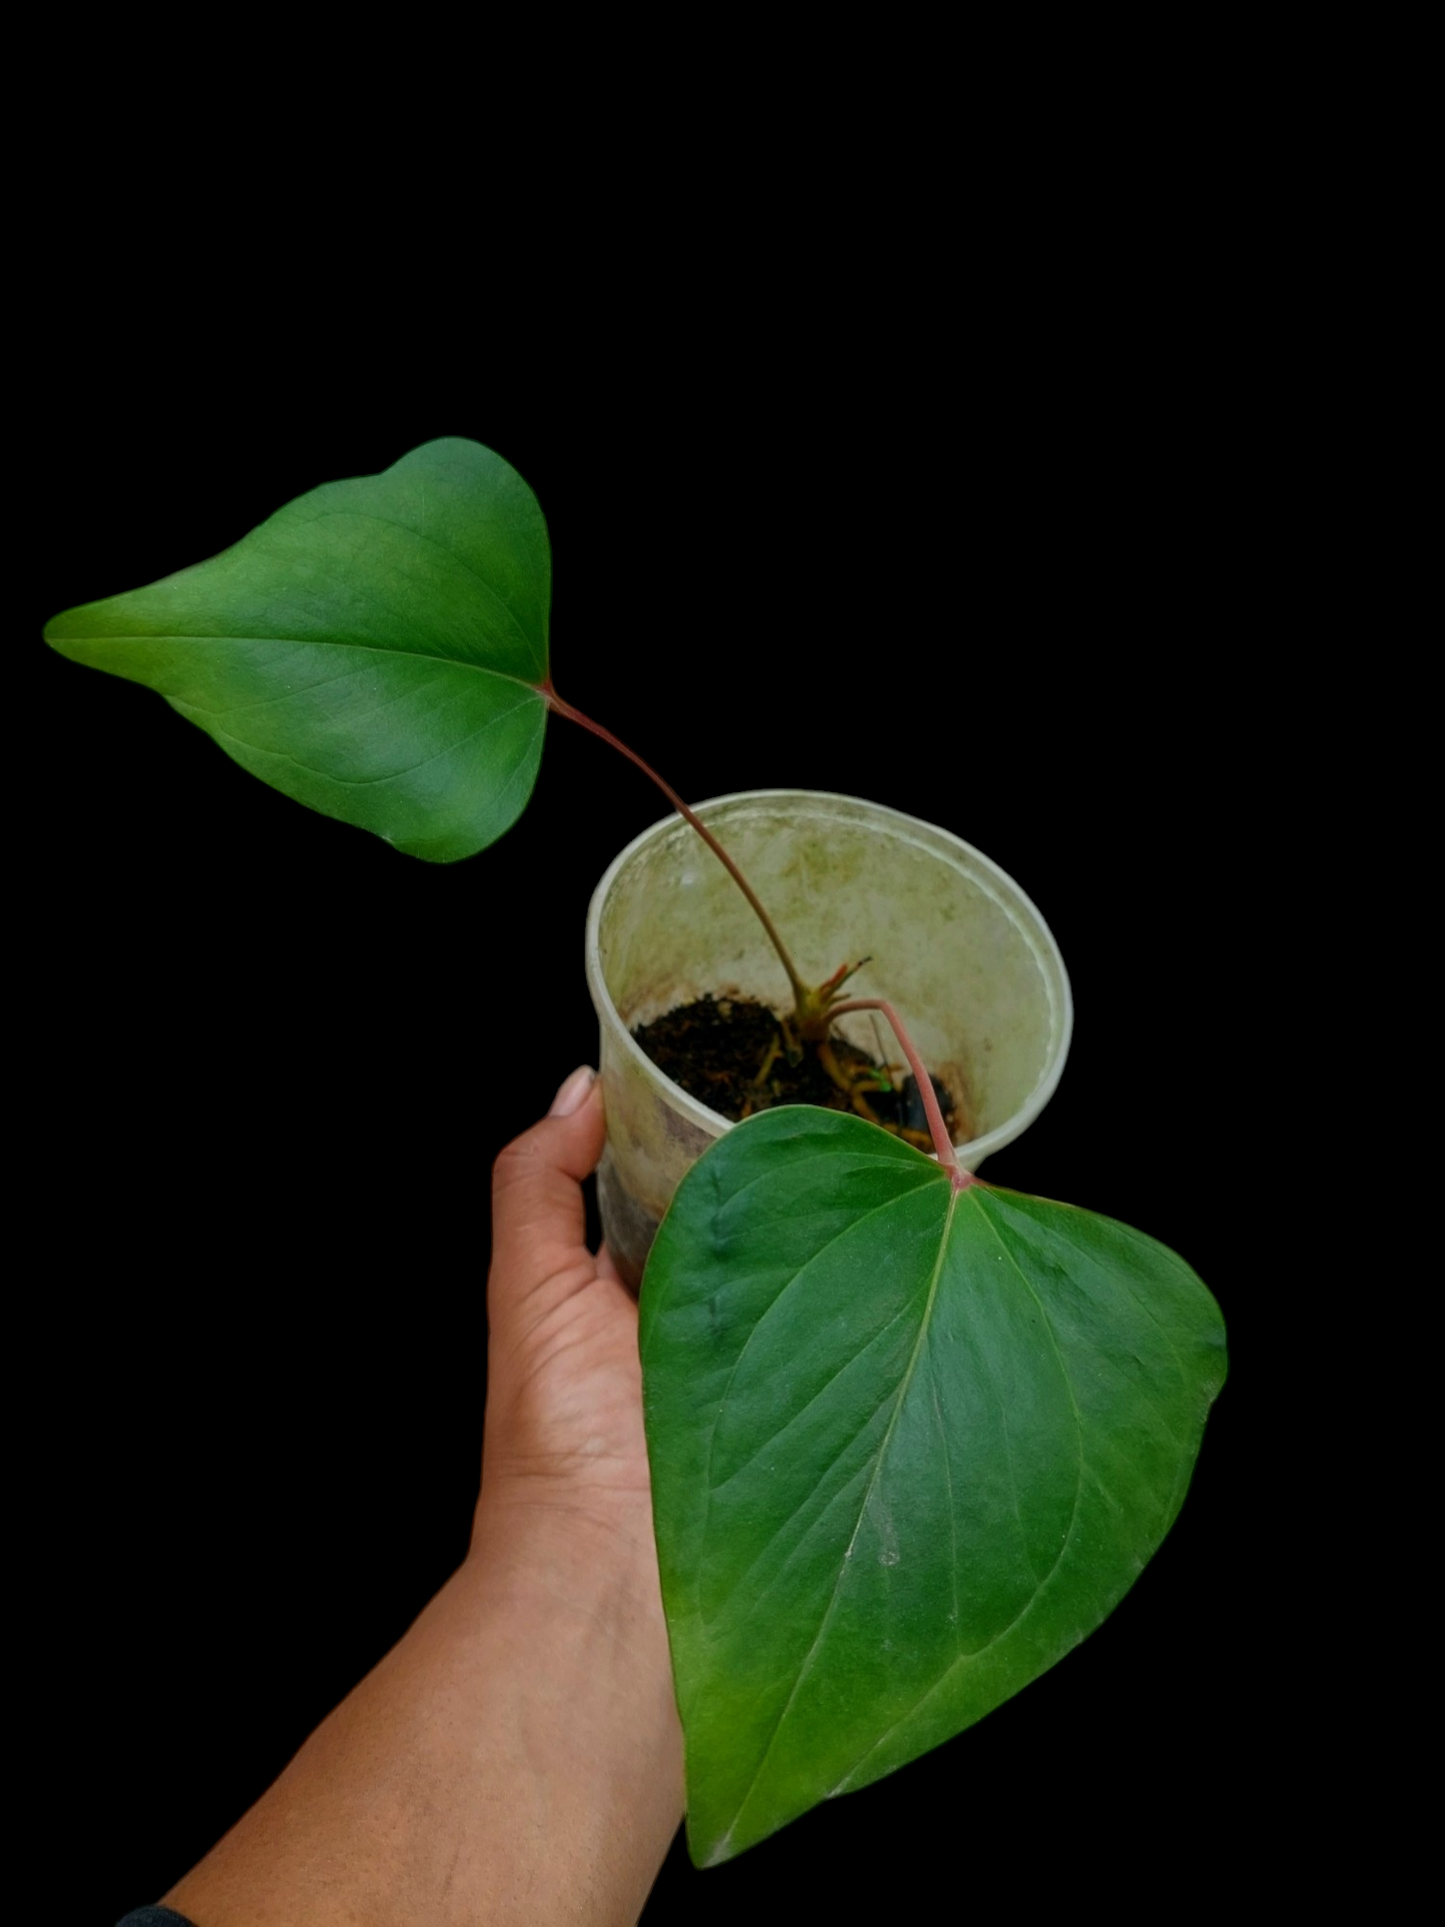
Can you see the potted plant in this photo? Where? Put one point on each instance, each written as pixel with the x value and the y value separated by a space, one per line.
pixel 1113 1357
pixel 962 950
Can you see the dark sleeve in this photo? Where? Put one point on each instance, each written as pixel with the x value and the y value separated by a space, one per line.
pixel 154 1917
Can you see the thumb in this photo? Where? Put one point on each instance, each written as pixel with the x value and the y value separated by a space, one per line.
pixel 539 1222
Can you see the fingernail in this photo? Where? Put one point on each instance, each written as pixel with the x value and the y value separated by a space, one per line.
pixel 573 1094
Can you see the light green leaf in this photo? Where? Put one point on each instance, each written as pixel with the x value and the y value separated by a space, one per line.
pixel 908 1446
pixel 373 650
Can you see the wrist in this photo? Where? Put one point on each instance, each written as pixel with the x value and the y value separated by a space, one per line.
pixel 551 1542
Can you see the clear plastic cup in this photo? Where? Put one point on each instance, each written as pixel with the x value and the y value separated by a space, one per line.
pixel 955 945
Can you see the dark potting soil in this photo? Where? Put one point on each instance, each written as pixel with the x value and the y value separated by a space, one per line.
pixel 716 1049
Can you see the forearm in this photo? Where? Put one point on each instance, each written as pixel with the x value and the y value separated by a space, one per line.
pixel 516 1757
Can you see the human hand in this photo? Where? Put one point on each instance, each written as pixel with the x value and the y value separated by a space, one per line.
pixel 517 1756
pixel 564 1383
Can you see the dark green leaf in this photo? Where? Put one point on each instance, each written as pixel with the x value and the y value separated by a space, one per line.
pixel 373 649
pixel 908 1447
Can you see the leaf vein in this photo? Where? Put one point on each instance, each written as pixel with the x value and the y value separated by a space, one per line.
pixel 386 522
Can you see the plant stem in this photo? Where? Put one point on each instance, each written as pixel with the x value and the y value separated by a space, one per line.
pixel 554 701
pixel 938 1130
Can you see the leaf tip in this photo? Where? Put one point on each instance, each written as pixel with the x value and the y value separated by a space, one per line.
pixel 715 1855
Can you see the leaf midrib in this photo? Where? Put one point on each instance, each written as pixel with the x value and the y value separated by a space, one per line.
pixel 323 642
pixel 969 1659
pixel 905 1383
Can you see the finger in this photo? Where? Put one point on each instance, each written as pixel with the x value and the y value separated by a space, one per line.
pixel 539 1223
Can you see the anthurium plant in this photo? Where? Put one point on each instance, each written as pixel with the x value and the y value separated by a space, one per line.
pixel 912 1436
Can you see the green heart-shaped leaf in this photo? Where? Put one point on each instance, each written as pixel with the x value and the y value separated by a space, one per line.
pixel 373 650
pixel 908 1444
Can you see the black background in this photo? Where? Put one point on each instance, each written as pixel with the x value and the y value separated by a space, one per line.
pixel 976 565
